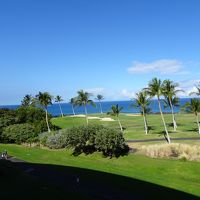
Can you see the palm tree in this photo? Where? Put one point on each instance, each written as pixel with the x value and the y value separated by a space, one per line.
pixel 169 91
pixel 115 111
pixel 45 99
pixel 83 100
pixel 72 101
pixel 27 100
pixel 100 98
pixel 198 90
pixel 194 106
pixel 155 89
pixel 142 101
pixel 59 99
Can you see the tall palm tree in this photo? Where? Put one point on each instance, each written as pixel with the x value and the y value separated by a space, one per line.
pixel 45 99
pixel 100 98
pixel 72 101
pixel 83 100
pixel 169 91
pixel 115 111
pixel 155 89
pixel 27 100
pixel 59 99
pixel 194 106
pixel 198 90
pixel 142 101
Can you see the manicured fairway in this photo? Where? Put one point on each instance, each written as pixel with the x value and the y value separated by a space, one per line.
pixel 179 175
pixel 134 127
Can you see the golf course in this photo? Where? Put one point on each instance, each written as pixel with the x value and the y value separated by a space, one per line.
pixel 133 176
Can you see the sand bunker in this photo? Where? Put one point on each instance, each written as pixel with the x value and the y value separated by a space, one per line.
pixel 107 119
pixel 99 118
pixel 94 118
pixel 133 115
pixel 77 115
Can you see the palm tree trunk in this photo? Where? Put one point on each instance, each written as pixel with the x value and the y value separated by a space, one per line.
pixel 120 124
pixel 60 110
pixel 100 107
pixel 145 122
pixel 73 110
pixel 173 116
pixel 166 131
pixel 47 120
pixel 86 114
pixel 197 118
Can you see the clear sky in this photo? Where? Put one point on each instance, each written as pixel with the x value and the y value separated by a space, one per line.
pixel 111 47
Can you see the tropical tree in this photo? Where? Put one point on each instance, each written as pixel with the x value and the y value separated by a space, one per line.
pixel 72 101
pixel 100 98
pixel 198 90
pixel 142 101
pixel 169 91
pixel 45 99
pixel 115 111
pixel 194 106
pixel 155 89
pixel 83 100
pixel 59 99
pixel 27 100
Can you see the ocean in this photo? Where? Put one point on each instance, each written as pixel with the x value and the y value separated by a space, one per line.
pixel 106 105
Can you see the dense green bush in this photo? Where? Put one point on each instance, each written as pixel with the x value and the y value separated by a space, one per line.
pixel 7 117
pixel 7 112
pixel 35 116
pixel 110 142
pixel 87 139
pixel 92 130
pixel 18 133
pixel 6 121
pixel 77 137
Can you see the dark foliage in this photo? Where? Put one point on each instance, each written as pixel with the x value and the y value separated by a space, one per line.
pixel 18 133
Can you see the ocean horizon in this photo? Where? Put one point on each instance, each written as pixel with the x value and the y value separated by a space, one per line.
pixel 54 109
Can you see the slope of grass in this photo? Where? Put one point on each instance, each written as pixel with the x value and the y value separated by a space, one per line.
pixel 180 175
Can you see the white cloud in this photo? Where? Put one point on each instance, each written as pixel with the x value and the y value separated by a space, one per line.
pixel 188 86
pixel 113 94
pixel 127 94
pixel 163 66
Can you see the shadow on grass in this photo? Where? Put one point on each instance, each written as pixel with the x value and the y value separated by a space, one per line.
pixel 151 128
pixel 195 129
pixel 90 149
pixel 29 180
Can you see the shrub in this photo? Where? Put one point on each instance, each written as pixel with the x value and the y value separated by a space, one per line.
pixel 34 116
pixel 110 142
pixel 7 117
pixel 82 138
pixel 87 139
pixel 18 133
pixel 77 137
pixel 30 114
pixel 56 141
pixel 92 131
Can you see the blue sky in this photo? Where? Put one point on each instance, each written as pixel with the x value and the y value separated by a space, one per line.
pixel 112 47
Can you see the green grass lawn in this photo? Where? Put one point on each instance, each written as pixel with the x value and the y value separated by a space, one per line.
pixel 134 127
pixel 180 175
